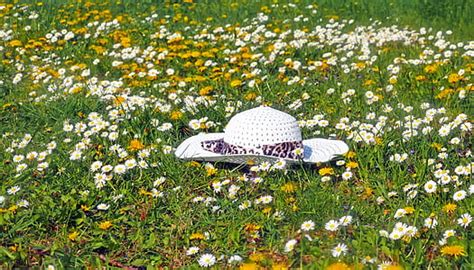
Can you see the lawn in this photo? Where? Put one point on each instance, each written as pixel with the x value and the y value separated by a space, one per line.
pixel 95 97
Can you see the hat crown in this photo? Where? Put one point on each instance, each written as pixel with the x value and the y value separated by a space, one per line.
pixel 261 126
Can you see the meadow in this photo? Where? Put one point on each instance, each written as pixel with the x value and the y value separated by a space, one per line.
pixel 96 95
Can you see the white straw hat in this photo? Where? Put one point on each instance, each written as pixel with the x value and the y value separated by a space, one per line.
pixel 260 134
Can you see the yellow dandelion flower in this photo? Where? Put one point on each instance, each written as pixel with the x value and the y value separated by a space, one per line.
pixel 392 267
pixel 326 171
pixel 352 165
pixel 409 209
pixel 280 266
pixel 210 171
pixel 105 225
pixel 250 96
pixel 431 68
pixel 449 208
pixel 350 154
pixel 249 266
pixel 338 266
pixel 257 257
pixel 235 83
pixel 73 236
pixel 15 43
pixel 454 251
pixel 205 91
pixel 454 78
pixel 288 187
pixel 135 145
pixel 196 236
pixel 175 115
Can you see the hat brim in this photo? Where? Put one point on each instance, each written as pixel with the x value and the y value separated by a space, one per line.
pixel 315 150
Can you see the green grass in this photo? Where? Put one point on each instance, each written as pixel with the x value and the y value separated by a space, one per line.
pixel 61 227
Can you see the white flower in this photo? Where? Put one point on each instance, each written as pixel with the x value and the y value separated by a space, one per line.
pixel 325 179
pixel 345 220
pixel 290 245
pixel 400 213
pixel 75 155
pixel 207 260
pixel 23 203
pixel 464 220
pixel 120 169
pixel 339 250
pixel 103 206
pixel 332 225
pixel 2 199
pixel 449 233
pixel 192 251
pixel 430 186
pixel 307 226
pixel 395 235
pixel 235 259
pixel 430 223
pixel 13 190
pixel 96 165
pixel 347 175
pixel 459 195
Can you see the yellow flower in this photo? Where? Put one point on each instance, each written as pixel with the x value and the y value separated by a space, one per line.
pixel 326 171
pixel 454 78
pixel 105 225
pixel 288 187
pixel 449 208
pixel 85 208
pixel 409 209
pixel 431 68
pixel 72 236
pixel 249 266
pixel 135 145
pixel 437 146
pixel 175 115
pixel 392 267
pixel 338 266
pixel 236 83
pixel 250 96
pixel 445 93
pixel 350 154
pixel 257 257
pixel 196 236
pixel 205 91
pixel 210 171
pixel 280 266
pixel 352 165
pixel 15 43
pixel 454 251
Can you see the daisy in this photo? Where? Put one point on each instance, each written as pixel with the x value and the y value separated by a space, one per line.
pixel 290 245
pixel 347 175
pixel 464 220
pixel 13 190
pixel 207 260
pixel 192 250
pixel 307 226
pixel 339 250
pixel 459 195
pixel 120 169
pixel 449 233
pixel 345 220
pixel 430 223
pixel 430 186
pixel 103 206
pixel 332 225
pixel 235 259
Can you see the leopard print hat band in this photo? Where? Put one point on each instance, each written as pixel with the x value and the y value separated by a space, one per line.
pixel 288 150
